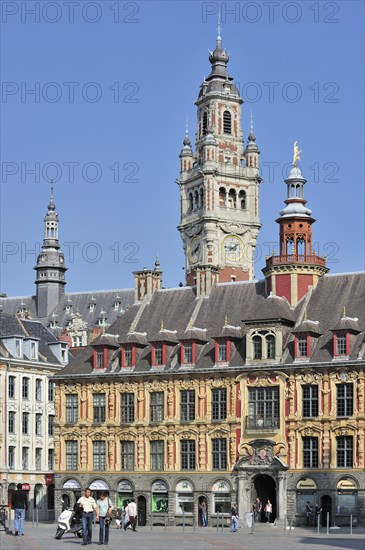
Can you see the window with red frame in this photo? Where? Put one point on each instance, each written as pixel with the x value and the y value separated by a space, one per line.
pixel 128 356
pixel 99 358
pixel 302 346
pixel 341 343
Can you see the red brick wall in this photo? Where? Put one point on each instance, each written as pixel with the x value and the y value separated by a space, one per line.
pixel 225 275
pixel 283 286
pixel 304 281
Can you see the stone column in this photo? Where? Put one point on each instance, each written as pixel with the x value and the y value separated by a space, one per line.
pixel 281 508
pixel 244 494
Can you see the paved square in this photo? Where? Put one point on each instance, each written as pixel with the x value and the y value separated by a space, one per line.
pixel 264 538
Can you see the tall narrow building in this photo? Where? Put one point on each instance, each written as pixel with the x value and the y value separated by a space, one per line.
pixel 50 268
pixel 219 185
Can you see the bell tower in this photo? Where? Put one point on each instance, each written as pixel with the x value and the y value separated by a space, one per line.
pixel 219 185
pixel 50 268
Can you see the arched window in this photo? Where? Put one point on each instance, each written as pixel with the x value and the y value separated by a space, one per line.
pixel 196 199
pixel 242 199
pixel 222 197
pixel 205 122
pixel 201 198
pixel 270 346
pixel 227 122
pixel 191 202
pixel 232 198
pixel 257 347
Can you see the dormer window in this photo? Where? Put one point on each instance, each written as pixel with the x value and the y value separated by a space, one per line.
pixel 68 308
pixel 33 350
pixel 116 305
pixel 341 343
pixel 270 346
pixel 18 348
pixel 257 347
pixel 222 350
pixel 187 353
pixel 158 353
pixel 302 346
pixel 91 307
pixel 99 358
pixel 128 355
pixel 262 346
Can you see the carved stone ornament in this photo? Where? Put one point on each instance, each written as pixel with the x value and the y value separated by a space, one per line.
pixel 194 230
pixel 235 228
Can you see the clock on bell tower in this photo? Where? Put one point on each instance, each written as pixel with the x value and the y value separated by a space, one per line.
pixel 219 183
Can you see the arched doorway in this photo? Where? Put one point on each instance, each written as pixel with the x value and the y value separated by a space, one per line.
pixel 265 489
pixel 326 505
pixel 202 499
pixel 142 511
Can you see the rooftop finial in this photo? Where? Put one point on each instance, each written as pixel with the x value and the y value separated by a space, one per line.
pixel 161 327
pixel 344 312
pixel 251 123
pixel 51 205
pixel 219 30
pixel 187 139
pixel 226 320
pixel 296 155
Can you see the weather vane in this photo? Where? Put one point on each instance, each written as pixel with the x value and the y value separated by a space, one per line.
pixel 296 155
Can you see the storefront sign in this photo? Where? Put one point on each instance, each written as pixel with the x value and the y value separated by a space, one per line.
pixel 184 487
pixel 72 484
pixel 159 487
pixel 346 484
pixel 306 484
pixel 99 485
pixel 49 479
pixel 125 487
pixel 221 487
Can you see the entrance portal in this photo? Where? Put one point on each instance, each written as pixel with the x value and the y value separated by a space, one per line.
pixel 141 507
pixel 201 511
pixel 265 488
pixel 326 505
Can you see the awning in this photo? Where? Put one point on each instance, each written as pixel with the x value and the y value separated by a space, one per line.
pixel 71 484
pixel 99 485
pixel 25 487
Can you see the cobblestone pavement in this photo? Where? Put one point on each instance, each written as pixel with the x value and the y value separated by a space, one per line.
pixel 264 538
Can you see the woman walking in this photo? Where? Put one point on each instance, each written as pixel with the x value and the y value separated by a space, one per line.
pixel 268 511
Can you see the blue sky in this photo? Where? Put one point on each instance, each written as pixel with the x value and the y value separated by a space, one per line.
pixel 136 68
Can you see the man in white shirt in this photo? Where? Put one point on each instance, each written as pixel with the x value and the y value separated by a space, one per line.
pixel 131 510
pixel 88 506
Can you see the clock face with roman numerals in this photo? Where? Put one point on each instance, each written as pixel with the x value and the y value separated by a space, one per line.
pixel 195 249
pixel 232 249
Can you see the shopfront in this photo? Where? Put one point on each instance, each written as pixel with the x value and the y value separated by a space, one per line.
pixel 221 498
pixel 98 486
pixel 184 498
pixel 346 501
pixel 71 492
pixel 160 497
pixel 124 493
pixel 306 490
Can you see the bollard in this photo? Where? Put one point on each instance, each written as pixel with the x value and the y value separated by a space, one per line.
pixel 328 523
pixel 290 524
pixel 184 520
pixel 9 521
pixel 36 515
pixel 194 522
pixel 318 524
pixel 165 522
pixel 32 517
pixel 284 524
pixel 151 520
pixel 351 524
pixel 217 521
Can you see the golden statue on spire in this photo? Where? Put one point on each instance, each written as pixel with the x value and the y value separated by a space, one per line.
pixel 296 155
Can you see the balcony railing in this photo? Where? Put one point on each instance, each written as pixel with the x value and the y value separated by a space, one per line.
pixel 260 424
pixel 296 259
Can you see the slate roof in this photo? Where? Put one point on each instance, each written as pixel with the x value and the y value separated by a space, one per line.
pixel 10 326
pixel 181 311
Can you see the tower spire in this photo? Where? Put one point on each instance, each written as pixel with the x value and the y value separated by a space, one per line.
pixel 219 29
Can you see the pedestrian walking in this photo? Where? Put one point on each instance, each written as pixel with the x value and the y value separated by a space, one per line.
pixel 105 507
pixel 88 506
pixel 257 507
pixel 309 513
pixel 132 514
pixel 234 518
pixel 204 513
pixel 268 511
pixel 19 503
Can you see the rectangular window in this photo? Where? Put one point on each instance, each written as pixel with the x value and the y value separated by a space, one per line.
pixel 72 455
pixel 50 459
pixel 128 355
pixel 341 344
pixel 72 408
pixel 187 454
pixel 187 405
pixel 33 350
pixel 17 348
pixel 219 404
pixel 219 454
pixel 25 388
pixel 127 455
pixel 25 458
pixel 157 406
pixel 38 458
pixel 99 453
pixel 99 408
pixel 99 359
pixel 310 401
pixel 222 351
pixel 38 389
pixel 11 387
pixel 345 400
pixel 263 408
pixel 51 424
pixel 51 388
pixel 127 408
pixel 158 354
pixel 38 424
pixel 25 423
pixel 157 455
pixel 11 422
pixel 187 353
pixel 310 452
pixel 11 458
pixel 302 346
pixel 344 451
